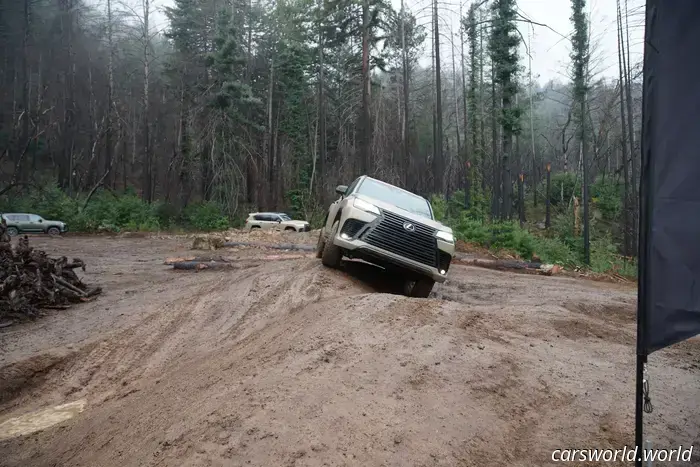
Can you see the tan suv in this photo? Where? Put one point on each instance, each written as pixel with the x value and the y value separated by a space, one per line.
pixel 276 221
pixel 390 227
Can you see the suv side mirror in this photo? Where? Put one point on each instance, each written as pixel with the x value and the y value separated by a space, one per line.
pixel 40 220
pixel 341 189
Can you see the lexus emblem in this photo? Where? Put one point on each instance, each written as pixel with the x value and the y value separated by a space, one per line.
pixel 408 226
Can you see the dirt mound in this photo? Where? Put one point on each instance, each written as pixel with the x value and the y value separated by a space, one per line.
pixel 291 363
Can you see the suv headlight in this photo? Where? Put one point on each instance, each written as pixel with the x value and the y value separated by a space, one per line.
pixel 365 206
pixel 445 236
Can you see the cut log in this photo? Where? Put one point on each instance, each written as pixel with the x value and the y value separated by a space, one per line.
pixel 512 265
pixel 273 246
pixel 170 261
pixel 201 265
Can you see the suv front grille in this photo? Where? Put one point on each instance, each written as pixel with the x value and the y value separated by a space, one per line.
pixel 390 235
pixel 352 226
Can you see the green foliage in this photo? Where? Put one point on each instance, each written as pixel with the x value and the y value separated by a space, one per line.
pixel 111 212
pixel 606 196
pixel 444 210
pixel 555 251
pixel 559 245
pixel 563 186
pixel 205 216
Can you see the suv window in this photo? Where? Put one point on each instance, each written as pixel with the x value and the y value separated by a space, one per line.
pixel 21 218
pixel 260 217
pixel 396 196
pixel 352 186
pixel 34 218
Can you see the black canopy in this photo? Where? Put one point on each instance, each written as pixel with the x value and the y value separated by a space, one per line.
pixel 669 279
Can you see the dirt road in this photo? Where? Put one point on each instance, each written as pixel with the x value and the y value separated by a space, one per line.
pixel 288 363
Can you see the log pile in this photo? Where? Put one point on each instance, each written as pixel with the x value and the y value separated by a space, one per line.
pixel 30 281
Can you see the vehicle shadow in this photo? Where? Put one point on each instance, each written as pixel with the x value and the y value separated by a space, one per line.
pixel 381 280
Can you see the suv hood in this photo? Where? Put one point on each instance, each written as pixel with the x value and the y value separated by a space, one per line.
pixel 407 214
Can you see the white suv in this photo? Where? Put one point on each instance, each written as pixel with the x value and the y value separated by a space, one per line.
pixel 275 221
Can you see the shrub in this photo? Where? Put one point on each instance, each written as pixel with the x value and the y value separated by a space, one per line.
pixel 606 196
pixel 205 216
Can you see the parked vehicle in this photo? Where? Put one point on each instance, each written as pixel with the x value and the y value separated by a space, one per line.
pixel 390 227
pixel 276 221
pixel 18 223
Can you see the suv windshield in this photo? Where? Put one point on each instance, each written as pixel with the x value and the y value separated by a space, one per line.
pixel 399 198
pixel 285 217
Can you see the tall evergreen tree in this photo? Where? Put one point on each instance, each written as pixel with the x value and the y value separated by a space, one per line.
pixel 579 63
pixel 504 50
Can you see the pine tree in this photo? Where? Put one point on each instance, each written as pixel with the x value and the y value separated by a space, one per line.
pixel 504 51
pixel 470 24
pixel 579 63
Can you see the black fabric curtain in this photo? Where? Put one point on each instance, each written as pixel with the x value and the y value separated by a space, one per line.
pixel 669 256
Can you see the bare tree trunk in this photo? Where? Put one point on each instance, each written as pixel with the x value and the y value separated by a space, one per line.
pixel 468 150
pixel 321 108
pixel 110 100
pixel 507 140
pixel 25 90
pixel 438 161
pixel 627 246
pixel 268 138
pixel 404 119
pixel 365 126
pixel 147 194
pixel 455 81
pixel 584 157
pixel 534 177
pixel 495 202
pixel 627 65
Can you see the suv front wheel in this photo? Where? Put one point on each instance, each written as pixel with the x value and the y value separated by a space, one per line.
pixel 420 288
pixel 332 254
pixel 320 245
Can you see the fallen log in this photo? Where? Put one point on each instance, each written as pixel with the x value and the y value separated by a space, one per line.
pixel 274 246
pixel 220 259
pixel 212 265
pixel 512 265
pixel 176 259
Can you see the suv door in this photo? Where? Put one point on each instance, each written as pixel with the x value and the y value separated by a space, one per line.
pixel 266 221
pixel 23 223
pixel 35 224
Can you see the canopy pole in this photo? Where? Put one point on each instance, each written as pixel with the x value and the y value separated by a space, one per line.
pixel 639 411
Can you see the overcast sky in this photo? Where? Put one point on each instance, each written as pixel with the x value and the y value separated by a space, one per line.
pixel 549 46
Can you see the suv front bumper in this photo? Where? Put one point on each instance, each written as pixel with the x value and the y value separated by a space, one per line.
pixel 355 242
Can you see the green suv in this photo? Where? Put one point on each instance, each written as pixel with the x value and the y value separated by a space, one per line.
pixel 31 223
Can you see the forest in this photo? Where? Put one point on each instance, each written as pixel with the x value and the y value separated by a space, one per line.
pixel 110 120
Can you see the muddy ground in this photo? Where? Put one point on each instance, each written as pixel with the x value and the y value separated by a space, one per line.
pixel 289 363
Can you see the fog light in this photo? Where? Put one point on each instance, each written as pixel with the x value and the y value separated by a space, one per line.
pixel 345 236
pixel 442 271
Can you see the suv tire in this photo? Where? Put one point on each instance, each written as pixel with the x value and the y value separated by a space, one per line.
pixel 332 254
pixel 12 231
pixel 53 231
pixel 422 287
pixel 320 244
